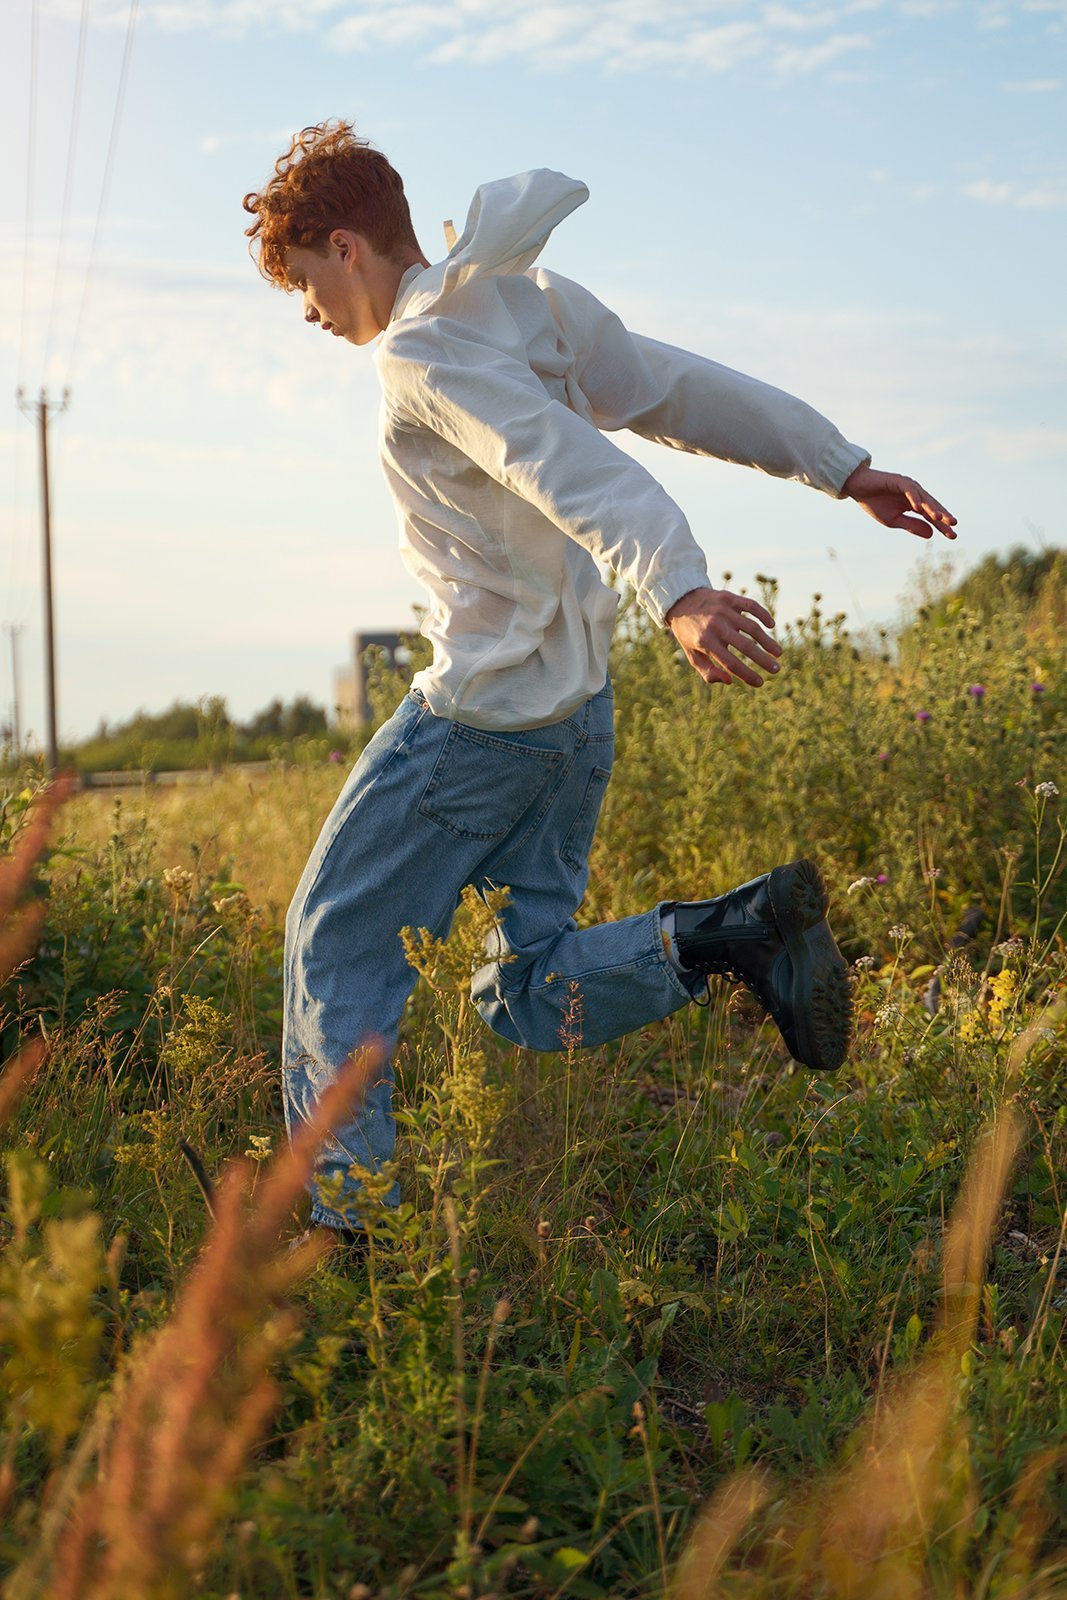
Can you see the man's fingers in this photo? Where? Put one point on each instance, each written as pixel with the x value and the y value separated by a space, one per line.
pixel 741 602
pixel 736 668
pixel 925 503
pixel 764 640
pixel 748 646
pixel 914 525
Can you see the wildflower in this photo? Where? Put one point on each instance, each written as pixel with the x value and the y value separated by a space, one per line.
pixel 1009 948
pixel 1037 688
pixel 865 963
pixel 923 716
pixel 932 874
pixel 883 755
pixel 335 755
pixel 887 1014
pixel 900 930
pixel 1046 791
pixel 238 901
pixel 976 690
pixel 860 883
pixel 179 880
pixel 881 877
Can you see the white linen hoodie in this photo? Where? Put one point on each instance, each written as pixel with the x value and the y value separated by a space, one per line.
pixel 496 382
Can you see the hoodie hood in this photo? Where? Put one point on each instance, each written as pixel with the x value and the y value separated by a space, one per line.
pixel 507 227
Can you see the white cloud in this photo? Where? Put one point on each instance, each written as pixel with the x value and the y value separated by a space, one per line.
pixel 1034 86
pixel 788 37
pixel 1014 194
pixel 1015 446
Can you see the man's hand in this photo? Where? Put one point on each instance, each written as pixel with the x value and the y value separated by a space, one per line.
pixel 887 497
pixel 715 627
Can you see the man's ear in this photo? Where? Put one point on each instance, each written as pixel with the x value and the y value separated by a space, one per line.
pixel 347 244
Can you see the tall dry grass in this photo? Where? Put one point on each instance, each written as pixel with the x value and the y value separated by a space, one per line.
pixel 132 1513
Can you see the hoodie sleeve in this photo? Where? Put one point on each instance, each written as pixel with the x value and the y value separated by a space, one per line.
pixel 690 403
pixel 494 409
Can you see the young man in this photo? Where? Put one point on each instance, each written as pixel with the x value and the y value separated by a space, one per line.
pixel 497 382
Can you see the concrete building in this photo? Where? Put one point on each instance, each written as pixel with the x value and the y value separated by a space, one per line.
pixel 351 706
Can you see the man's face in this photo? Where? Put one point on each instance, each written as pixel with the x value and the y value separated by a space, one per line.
pixel 335 293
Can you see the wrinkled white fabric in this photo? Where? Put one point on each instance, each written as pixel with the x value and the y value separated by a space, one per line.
pixel 497 381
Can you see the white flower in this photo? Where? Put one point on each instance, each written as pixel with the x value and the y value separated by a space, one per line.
pixel 1046 791
pixel 864 963
pixel 888 1014
pixel 900 930
pixel 860 883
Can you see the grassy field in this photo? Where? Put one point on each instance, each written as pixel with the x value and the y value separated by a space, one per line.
pixel 669 1316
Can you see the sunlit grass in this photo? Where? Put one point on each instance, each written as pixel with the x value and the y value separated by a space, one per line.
pixel 666 1317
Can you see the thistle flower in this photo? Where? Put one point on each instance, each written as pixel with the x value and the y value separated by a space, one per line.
pixel 335 755
pixel 1037 688
pixel 923 716
pixel 179 880
pixel 883 755
pixel 976 691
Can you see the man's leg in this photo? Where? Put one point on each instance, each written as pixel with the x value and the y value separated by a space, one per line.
pixel 426 804
pixel 550 981
pixel 556 982
pixel 378 866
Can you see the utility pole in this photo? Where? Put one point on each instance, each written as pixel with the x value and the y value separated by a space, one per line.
pixel 14 629
pixel 41 408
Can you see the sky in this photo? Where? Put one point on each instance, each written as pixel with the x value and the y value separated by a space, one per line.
pixel 860 201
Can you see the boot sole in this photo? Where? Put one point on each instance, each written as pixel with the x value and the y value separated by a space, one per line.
pixel 822 999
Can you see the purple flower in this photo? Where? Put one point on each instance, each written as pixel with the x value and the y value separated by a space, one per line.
pixel 335 755
pixel 1037 688
pixel 881 877
pixel 883 755
pixel 923 716
pixel 977 690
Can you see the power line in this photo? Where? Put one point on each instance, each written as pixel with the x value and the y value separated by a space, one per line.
pixel 17 572
pixel 105 185
pixel 31 165
pixel 68 181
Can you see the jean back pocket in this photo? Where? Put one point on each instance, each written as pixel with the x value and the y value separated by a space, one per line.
pixel 482 784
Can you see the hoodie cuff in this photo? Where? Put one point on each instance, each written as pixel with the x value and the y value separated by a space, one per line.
pixel 660 596
pixel 837 464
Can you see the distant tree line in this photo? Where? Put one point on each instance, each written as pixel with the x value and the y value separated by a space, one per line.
pixel 202 733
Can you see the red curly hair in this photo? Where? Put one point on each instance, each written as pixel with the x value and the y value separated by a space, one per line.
pixel 328 178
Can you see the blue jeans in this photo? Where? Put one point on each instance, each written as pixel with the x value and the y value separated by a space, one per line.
pixel 430 807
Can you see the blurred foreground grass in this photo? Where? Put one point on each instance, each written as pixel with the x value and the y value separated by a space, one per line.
pixel 623 1280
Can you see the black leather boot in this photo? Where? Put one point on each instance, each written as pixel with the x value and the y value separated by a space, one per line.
pixel 772 935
